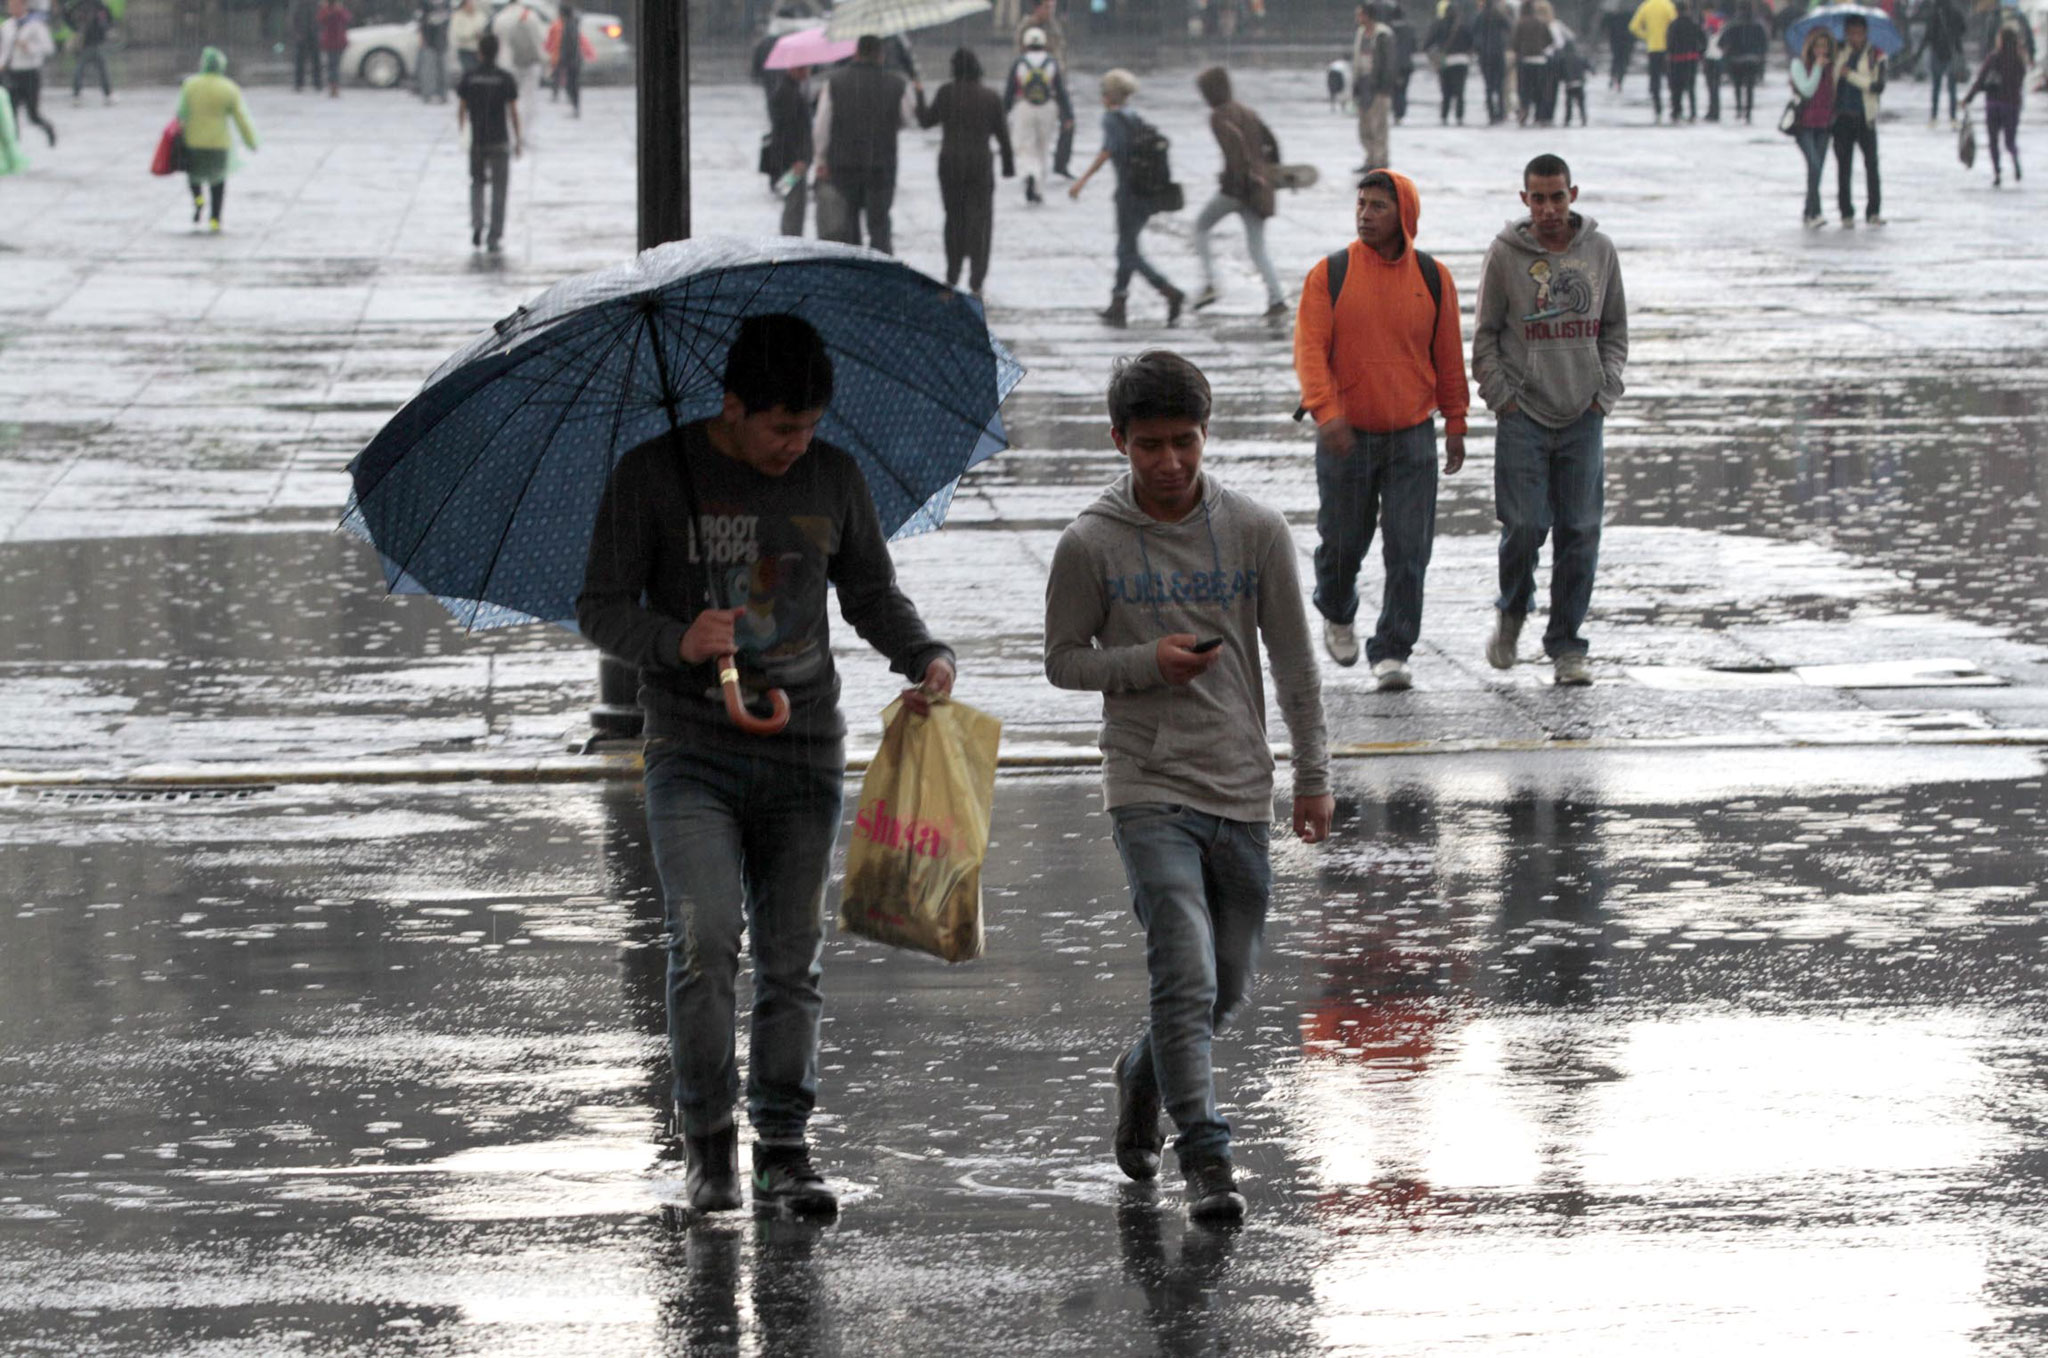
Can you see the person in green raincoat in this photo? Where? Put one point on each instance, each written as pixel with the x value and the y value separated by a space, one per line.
pixel 207 102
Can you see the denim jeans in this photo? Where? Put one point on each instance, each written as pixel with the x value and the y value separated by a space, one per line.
pixel 1219 207
pixel 1130 223
pixel 1388 480
pixel 1813 144
pixel 1857 135
pixel 742 842
pixel 1199 884
pixel 1550 483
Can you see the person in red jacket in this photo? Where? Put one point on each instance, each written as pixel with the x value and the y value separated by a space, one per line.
pixel 333 20
pixel 1378 352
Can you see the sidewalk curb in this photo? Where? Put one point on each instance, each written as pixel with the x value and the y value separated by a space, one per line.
pixel 625 765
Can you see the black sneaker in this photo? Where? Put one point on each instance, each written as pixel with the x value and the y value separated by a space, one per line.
pixel 784 1177
pixel 1212 1192
pixel 713 1179
pixel 1138 1140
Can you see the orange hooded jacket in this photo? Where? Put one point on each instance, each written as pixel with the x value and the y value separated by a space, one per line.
pixel 1384 358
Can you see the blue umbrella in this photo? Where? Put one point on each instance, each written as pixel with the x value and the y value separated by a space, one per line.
pixel 1884 34
pixel 484 489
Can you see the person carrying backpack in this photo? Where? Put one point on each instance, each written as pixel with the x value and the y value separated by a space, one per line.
pixel 1244 189
pixel 1039 110
pixel 1144 185
pixel 1378 352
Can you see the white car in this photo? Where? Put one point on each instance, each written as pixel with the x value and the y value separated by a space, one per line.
pixel 384 55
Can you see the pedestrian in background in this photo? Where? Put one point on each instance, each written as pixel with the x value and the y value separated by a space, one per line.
pixel 489 106
pixel 786 159
pixel 2002 80
pixel 1532 44
pixel 1684 43
pixel 1745 43
pixel 302 23
pixel 567 49
pixel 741 826
pixel 522 49
pixel 333 19
pixel 969 115
pixel 861 111
pixel 1572 68
pixel 12 161
pixel 1711 61
pixel 1621 45
pixel 1941 43
pixel 1652 23
pixel 433 62
pixel 26 45
pixel 91 20
pixel 1122 130
pixel 465 30
pixel 207 104
pixel 1492 34
pixel 1372 82
pixel 1859 82
pixel 1813 84
pixel 1041 111
pixel 1378 353
pixel 1549 349
pixel 1449 43
pixel 1404 54
pixel 1187 774
pixel 1244 189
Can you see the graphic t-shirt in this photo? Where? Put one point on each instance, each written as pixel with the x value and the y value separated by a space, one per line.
pixel 487 92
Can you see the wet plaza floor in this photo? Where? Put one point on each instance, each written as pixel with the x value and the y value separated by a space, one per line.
pixel 1545 1054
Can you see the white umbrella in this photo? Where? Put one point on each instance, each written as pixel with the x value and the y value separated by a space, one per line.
pixel 887 18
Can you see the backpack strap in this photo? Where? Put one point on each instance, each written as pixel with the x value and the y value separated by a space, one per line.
pixel 1339 264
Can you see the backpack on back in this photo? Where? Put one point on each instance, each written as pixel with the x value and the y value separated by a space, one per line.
pixel 1148 171
pixel 1339 264
pixel 1035 85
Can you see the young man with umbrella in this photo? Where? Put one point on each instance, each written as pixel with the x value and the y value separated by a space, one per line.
pixel 711 551
pixel 1859 80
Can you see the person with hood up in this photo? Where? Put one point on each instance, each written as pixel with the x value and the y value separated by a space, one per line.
pixel 1121 130
pixel 1652 23
pixel 1549 347
pixel 971 116
pixel 1040 111
pixel 1244 189
pixel 26 45
pixel 207 104
pixel 1378 352
pixel 1159 596
pixel 2002 80
pixel 1450 42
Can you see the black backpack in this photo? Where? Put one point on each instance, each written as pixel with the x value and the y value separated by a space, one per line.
pixel 1432 278
pixel 1149 174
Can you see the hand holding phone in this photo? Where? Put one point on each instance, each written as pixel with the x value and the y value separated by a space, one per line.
pixel 1204 647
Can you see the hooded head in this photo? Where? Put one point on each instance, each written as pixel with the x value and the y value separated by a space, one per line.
pixel 1214 84
pixel 212 61
pixel 1407 203
pixel 966 65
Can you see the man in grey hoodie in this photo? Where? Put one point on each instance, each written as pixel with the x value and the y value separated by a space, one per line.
pixel 1549 346
pixel 1159 595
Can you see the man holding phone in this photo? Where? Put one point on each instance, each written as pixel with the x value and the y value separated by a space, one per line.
pixel 1159 596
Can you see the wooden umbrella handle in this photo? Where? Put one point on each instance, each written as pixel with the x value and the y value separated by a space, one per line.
pixel 736 706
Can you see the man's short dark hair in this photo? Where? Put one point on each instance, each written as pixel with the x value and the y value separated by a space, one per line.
pixel 867 47
pixel 779 360
pixel 1156 385
pixel 1544 166
pixel 1381 181
pixel 487 48
pixel 1855 21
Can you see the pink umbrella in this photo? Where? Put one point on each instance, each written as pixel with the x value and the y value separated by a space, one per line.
pixel 806 47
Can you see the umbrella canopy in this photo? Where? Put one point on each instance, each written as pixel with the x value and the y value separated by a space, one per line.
pixel 1884 34
pixel 887 18
pixel 483 490
pixel 807 47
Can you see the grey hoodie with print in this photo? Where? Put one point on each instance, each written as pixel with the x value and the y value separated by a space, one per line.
pixel 1551 331
pixel 1120 581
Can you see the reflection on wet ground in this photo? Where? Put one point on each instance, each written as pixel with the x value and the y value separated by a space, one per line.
pixel 1592 1053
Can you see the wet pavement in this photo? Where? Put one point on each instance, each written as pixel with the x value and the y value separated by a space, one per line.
pixel 1697 1012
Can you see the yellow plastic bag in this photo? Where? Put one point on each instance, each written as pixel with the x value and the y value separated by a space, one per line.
pixel 913 866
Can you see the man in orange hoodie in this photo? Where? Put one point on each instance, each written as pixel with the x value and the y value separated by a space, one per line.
pixel 1378 351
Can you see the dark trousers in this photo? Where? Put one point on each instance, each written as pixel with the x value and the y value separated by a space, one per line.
pixel 569 81
pixel 1575 98
pixel 305 63
pixel 1387 481
pixel 490 175
pixel 333 61
pixel 1130 224
pixel 1494 71
pixel 1451 80
pixel 1401 94
pixel 1658 63
pixel 26 89
pixel 1742 76
pixel 94 59
pixel 1857 135
pixel 1943 69
pixel 850 197
pixel 1063 152
pixel 1619 50
pixel 1529 88
pixel 2000 120
pixel 970 230
pixel 1712 71
pixel 219 194
pixel 1685 100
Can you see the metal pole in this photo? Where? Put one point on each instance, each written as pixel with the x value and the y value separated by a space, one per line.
pixel 662 94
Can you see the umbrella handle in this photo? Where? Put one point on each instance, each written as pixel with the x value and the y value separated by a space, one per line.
pixel 736 706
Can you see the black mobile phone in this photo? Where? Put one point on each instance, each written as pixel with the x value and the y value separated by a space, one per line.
pixel 1202 647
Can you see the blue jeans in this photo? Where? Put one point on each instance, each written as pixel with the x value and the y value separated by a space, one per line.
pixel 1388 481
pixel 1813 144
pixel 1550 483
pixel 742 842
pixel 1199 884
pixel 1130 223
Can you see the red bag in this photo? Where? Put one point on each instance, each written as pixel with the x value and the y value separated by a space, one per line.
pixel 170 150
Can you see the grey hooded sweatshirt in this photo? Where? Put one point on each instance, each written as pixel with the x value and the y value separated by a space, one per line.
pixel 1552 329
pixel 1120 581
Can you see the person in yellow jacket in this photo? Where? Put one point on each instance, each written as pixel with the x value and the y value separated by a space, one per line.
pixel 1652 22
pixel 207 103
